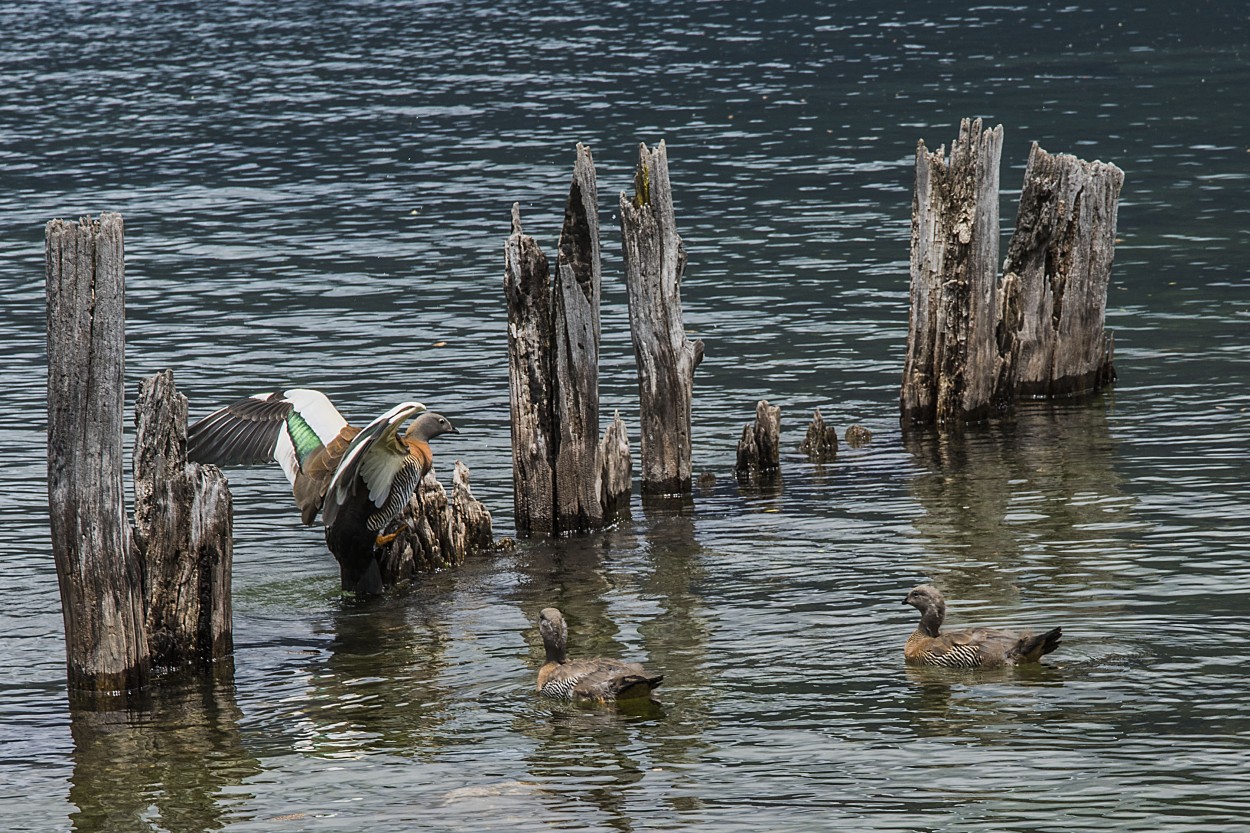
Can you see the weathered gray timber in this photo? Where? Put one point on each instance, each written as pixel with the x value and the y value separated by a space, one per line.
pixel 655 261
pixel 437 532
pixel 949 367
pixel 759 450
pixel 98 568
pixel 820 444
pixel 1053 297
pixel 575 389
pixel 616 471
pixel 976 346
pixel 561 479
pixel 527 287
pixel 183 529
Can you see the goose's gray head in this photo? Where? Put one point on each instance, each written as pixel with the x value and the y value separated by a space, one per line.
pixel 926 597
pixel 429 425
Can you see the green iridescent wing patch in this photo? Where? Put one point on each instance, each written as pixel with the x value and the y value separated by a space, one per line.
pixel 303 437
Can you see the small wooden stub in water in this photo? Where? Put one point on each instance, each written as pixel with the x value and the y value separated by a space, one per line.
pixel 759 450
pixel 821 442
pixel 857 436
pixel 184 532
pixel 437 532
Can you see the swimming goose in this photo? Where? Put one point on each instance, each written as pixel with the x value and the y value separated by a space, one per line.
pixel 598 680
pixel 973 648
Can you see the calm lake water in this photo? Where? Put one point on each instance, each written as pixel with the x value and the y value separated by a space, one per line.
pixel 317 194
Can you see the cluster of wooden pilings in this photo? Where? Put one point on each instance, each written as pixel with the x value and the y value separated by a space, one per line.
pixel 135 600
pixel 566 479
pixel 977 343
pixel 146 599
pixel 156 595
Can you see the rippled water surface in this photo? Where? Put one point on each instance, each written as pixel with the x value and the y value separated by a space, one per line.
pixel 318 194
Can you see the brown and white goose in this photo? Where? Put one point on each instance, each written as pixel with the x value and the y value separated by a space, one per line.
pixel 357 478
pixel 972 648
pixel 598 680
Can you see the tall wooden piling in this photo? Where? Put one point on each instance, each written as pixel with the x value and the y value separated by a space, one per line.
pixel 948 370
pixel 527 287
pixel 976 345
pixel 564 478
pixel 184 532
pixel 1053 300
pixel 575 393
pixel 655 260
pixel 98 568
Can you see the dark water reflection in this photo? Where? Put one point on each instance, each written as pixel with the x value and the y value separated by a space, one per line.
pixel 320 196
pixel 165 767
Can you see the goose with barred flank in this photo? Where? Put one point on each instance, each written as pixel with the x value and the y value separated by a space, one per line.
pixel 598 680
pixel 359 479
pixel 973 648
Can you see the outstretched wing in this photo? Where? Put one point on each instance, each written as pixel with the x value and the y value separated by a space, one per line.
pixel 379 460
pixel 299 428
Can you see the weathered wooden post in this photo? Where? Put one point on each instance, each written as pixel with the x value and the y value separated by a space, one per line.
pixel 1053 299
pixel 655 260
pixel 438 532
pixel 759 450
pixel 527 286
pixel 948 370
pixel 184 532
pixel 564 480
pixel 820 444
pixel 575 388
pixel 98 568
pixel 976 346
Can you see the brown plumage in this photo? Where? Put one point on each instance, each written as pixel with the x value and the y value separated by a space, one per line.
pixel 599 680
pixel 972 648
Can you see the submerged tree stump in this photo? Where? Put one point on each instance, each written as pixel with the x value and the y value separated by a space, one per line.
pixel 821 441
pixel 98 568
pixel 564 478
pixel 975 346
pixel 437 532
pixel 184 532
pixel 759 450
pixel 655 261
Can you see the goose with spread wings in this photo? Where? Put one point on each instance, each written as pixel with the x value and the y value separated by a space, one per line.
pixel 358 479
